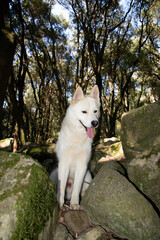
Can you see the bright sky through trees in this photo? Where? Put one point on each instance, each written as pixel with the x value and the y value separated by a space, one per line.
pixel 59 10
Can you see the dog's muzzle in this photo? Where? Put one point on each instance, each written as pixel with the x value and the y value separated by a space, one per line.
pixel 94 124
pixel 90 130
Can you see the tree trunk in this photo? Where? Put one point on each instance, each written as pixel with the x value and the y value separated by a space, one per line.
pixel 99 84
pixel 7 50
pixel 15 141
pixel 112 126
pixel 16 111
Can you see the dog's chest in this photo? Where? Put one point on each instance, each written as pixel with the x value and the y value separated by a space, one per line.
pixel 80 140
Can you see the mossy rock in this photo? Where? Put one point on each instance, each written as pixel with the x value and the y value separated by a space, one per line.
pixel 41 152
pixel 94 165
pixel 115 150
pixel 140 132
pixel 27 197
pixel 106 142
pixel 6 144
pixel 95 233
pixel 44 153
pixel 114 203
pixel 145 174
pixel 61 233
pixel 111 147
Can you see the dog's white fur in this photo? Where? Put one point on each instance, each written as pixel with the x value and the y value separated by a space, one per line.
pixel 73 147
pixel 69 185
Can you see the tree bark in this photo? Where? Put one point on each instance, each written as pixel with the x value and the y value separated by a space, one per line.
pixel 15 141
pixel 7 50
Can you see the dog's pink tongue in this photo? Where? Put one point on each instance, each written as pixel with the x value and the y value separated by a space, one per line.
pixel 90 132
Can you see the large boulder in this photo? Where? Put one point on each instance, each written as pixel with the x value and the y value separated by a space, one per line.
pixel 140 133
pixel 96 233
pixel 6 144
pixel 145 174
pixel 112 147
pixel 44 153
pixel 141 145
pixel 61 233
pixel 114 203
pixel 76 224
pixel 107 150
pixel 27 198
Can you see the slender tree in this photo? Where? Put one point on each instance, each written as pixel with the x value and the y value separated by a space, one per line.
pixel 7 50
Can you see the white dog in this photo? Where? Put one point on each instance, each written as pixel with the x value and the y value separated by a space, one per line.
pixel 73 147
pixel 69 185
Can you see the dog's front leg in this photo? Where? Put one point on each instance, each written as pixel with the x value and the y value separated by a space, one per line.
pixel 63 171
pixel 78 180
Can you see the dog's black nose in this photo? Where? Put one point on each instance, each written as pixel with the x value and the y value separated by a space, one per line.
pixel 94 124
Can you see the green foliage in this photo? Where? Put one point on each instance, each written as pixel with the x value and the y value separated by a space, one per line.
pixel 113 46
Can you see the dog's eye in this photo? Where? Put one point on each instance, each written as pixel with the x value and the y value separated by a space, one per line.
pixel 95 111
pixel 84 112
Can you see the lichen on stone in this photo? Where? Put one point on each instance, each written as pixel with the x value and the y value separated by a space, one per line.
pixel 34 205
pixel 27 194
pixel 7 161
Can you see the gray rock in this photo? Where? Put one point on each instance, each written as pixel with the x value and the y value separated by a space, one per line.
pixel 6 144
pixel 145 174
pixel 115 150
pixel 27 198
pixel 61 233
pixel 141 144
pixel 76 221
pixel 113 202
pixel 47 232
pixel 109 149
pixel 7 218
pixel 95 158
pixel 93 234
pixel 140 133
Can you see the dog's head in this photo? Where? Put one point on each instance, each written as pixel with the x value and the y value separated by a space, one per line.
pixel 87 109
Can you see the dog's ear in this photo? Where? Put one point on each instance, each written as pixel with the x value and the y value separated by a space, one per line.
pixel 78 95
pixel 95 93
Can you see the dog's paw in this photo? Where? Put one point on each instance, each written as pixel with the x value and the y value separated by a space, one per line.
pixel 75 207
pixel 61 205
pixel 66 207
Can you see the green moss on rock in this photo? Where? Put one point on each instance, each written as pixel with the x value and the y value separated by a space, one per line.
pixel 145 174
pixel 114 203
pixel 94 167
pixel 7 161
pixel 27 195
pixel 5 195
pixel 141 130
pixel 34 206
